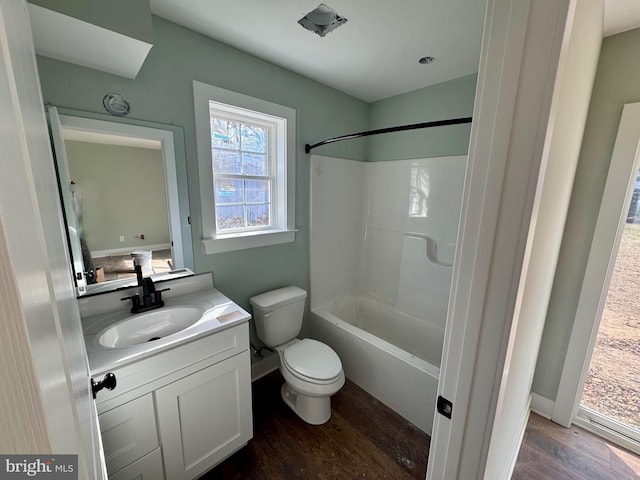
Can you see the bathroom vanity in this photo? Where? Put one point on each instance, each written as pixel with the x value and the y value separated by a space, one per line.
pixel 182 402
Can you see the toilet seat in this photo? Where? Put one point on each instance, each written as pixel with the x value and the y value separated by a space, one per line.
pixel 312 361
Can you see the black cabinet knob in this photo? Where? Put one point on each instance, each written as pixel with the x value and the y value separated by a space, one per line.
pixel 108 382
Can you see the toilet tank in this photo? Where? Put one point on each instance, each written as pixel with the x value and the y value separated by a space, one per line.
pixel 278 314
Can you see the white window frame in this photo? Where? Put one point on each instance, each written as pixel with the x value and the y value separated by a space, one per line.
pixel 283 190
pixel 272 125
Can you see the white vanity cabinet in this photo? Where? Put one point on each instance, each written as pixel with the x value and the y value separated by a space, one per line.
pixel 128 432
pixel 202 417
pixel 178 413
pixel 148 467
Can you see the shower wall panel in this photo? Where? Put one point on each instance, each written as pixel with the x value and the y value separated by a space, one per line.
pixel 386 230
pixel 337 226
pixel 413 209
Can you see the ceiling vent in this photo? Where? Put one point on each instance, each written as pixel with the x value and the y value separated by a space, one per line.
pixel 322 20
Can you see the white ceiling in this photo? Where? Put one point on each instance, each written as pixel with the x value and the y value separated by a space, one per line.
pixel 375 54
pixel 620 16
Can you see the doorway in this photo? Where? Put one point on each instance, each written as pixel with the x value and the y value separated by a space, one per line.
pixel 612 234
pixel 611 393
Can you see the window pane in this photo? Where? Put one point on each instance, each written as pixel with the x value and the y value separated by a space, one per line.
pixel 230 216
pixel 257 191
pixel 254 139
pixel 225 133
pixel 225 161
pixel 228 190
pixel 239 150
pixel 258 215
pixel 254 164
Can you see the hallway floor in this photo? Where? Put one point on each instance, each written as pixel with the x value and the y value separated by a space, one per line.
pixel 552 452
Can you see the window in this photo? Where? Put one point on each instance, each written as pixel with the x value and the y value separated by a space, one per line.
pixel 243 166
pixel 246 157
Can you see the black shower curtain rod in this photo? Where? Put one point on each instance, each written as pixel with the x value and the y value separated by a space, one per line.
pixel 400 128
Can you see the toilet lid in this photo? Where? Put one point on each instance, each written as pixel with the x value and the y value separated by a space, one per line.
pixel 313 359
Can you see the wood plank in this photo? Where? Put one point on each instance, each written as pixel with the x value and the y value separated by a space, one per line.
pixel 363 439
pixel 552 452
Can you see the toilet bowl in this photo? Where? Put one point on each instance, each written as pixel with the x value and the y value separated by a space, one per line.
pixel 313 373
pixel 311 369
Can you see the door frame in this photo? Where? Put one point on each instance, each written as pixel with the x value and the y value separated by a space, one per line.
pixel 518 72
pixel 625 162
pixel 45 312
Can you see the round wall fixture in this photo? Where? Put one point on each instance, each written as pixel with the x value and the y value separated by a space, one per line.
pixel 115 104
pixel 426 60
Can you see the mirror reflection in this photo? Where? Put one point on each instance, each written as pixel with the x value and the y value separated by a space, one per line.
pixel 121 199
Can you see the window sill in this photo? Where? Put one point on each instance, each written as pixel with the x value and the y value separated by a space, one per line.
pixel 242 241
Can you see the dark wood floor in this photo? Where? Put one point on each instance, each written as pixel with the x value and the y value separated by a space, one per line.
pixel 363 439
pixel 552 452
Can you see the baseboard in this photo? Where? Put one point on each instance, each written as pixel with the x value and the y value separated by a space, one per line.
pixel 264 366
pixel 522 426
pixel 542 405
pixel 128 250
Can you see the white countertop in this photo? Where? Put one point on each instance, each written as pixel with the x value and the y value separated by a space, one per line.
pixel 100 312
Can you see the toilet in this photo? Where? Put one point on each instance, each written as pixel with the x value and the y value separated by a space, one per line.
pixel 311 369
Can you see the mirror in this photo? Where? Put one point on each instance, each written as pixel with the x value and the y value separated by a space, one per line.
pixel 124 194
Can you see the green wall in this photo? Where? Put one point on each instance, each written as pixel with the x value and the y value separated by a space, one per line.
pixel 163 93
pixel 446 100
pixel 123 194
pixel 617 82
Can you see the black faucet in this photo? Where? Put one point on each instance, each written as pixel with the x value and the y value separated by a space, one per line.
pixel 151 298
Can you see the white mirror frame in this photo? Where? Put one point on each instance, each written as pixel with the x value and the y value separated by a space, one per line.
pixel 166 139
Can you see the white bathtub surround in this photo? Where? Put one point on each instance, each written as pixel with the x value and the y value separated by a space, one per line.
pixel 424 281
pixel 383 238
pixel 337 227
pixel 362 214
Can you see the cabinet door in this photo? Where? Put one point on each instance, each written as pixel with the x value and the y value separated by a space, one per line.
pixel 205 417
pixel 128 432
pixel 148 467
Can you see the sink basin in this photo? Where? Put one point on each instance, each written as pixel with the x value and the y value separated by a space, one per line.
pixel 146 327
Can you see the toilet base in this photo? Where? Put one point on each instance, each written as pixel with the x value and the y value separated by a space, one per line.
pixel 313 410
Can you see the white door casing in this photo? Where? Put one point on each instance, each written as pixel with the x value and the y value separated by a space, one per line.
pixel 572 89
pixel 618 189
pixel 519 59
pixel 35 240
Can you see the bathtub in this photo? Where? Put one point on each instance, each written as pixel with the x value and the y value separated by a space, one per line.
pixel 391 355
